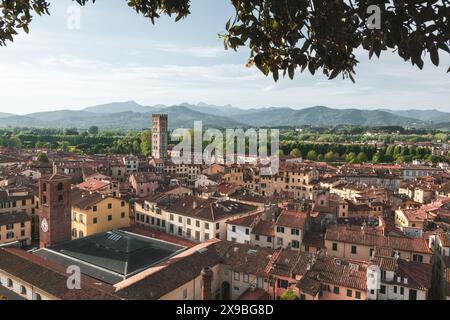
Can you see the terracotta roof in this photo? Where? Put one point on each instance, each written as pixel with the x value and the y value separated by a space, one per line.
pixel 419 274
pixel 85 200
pixel 247 221
pixel 49 277
pixel 264 228
pixel 370 238
pixel 93 184
pixel 291 219
pixel 340 272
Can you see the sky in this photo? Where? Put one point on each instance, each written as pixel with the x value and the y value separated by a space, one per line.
pixel 117 55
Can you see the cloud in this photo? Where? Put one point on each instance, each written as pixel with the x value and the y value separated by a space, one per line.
pixel 195 51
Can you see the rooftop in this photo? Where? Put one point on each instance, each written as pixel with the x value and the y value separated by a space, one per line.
pixel 112 256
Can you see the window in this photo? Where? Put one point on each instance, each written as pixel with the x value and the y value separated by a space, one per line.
pixel 197 224
pixel 357 295
pixel 94 208
pixel 280 229
pixel 237 276
pixel 206 236
pixel 22 233
pixel 60 198
pixel 185 293
pixel 257 237
pixel 44 187
pixel 283 283
pixel 109 205
pixel 10 283
pixel 402 290
pixel 295 232
pixel 10 226
pixel 412 294
pixel 60 186
pixel 180 232
pixel 353 249
pixel 247 231
pixel 233 228
pixel 302 297
pixel 23 290
pixel 336 290
pixel 269 239
pixel 349 293
pixel 245 278
pixel 295 244
pixel 109 217
pixel 206 226
pixel 180 219
pixel 335 246
pixel 217 225
pixel 44 199
pixel 122 215
pixel 382 289
pixel 37 296
pixel 10 235
pixel 188 221
pixel 395 289
pixel 417 258
pixel 94 221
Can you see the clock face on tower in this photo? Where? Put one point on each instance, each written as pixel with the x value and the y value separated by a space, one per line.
pixel 44 225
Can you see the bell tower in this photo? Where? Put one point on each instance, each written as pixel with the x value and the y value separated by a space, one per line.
pixel 55 210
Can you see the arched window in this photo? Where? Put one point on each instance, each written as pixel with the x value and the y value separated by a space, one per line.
pixel 10 283
pixel 23 290
pixel 60 186
pixel 37 296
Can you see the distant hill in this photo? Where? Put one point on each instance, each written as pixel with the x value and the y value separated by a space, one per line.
pixel 118 107
pixel 424 115
pixel 323 116
pixel 5 115
pixel 131 115
pixel 180 117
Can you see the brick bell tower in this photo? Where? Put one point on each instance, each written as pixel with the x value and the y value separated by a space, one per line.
pixel 55 210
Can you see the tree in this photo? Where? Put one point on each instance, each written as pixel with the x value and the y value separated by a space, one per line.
pixel 296 152
pixel 93 130
pixel 361 157
pixel 146 142
pixel 289 295
pixel 42 157
pixel 329 156
pixel 377 158
pixel 312 155
pixel 289 36
pixel 350 157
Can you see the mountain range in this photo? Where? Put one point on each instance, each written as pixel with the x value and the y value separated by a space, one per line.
pixel 131 115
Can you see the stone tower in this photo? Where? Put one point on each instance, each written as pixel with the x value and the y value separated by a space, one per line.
pixel 160 136
pixel 55 210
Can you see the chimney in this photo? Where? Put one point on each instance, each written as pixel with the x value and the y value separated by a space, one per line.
pixel 207 276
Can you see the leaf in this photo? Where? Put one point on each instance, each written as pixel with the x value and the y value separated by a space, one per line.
pixel 434 56
pixel 334 74
pixel 291 71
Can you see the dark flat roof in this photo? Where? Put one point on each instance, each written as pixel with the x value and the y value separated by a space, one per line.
pixel 111 256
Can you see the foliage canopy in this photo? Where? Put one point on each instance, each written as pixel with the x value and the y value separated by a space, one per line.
pixel 285 36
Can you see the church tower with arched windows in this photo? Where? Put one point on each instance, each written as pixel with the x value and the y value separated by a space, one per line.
pixel 55 210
